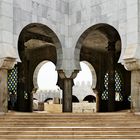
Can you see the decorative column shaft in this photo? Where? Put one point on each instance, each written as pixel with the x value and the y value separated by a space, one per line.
pixel 3 91
pixel 67 95
pixel 98 101
pixel 67 91
pixel 135 91
pixel 133 65
pixel 111 76
pixel 5 64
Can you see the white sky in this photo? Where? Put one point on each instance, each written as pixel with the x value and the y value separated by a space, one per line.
pixel 84 75
pixel 47 76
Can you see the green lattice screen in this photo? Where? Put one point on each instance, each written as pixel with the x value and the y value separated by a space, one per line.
pixel 12 80
pixel 118 87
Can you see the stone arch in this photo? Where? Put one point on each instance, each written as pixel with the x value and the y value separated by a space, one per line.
pixel 74 99
pixel 46 100
pixel 100 45
pixel 103 30
pixel 94 76
pixel 36 73
pixel 52 37
pixel 81 90
pixel 90 98
pixel 37 42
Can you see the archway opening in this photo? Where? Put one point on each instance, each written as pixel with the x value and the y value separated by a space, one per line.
pixel 47 76
pixel 75 99
pixel 100 45
pixel 45 81
pixel 36 43
pixel 48 99
pixel 84 84
pixel 84 76
pixel 90 99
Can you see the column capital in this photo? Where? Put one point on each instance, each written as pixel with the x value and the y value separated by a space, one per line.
pixel 62 74
pixel 131 64
pixel 7 63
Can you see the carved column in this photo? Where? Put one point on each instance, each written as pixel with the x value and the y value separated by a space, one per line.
pixel 5 64
pixel 111 76
pixel 67 91
pixel 67 95
pixel 133 65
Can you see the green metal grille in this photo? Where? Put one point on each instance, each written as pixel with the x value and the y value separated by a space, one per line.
pixel 118 87
pixel 12 80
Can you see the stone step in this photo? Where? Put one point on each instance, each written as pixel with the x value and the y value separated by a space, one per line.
pixel 56 116
pixel 15 114
pixel 126 118
pixel 69 126
pixel 59 132
pixel 67 119
pixel 29 137
pixel 69 115
pixel 15 121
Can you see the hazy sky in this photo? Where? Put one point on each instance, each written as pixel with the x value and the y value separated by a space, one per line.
pixel 84 75
pixel 47 76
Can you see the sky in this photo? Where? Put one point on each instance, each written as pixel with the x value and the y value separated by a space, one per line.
pixel 47 76
pixel 84 75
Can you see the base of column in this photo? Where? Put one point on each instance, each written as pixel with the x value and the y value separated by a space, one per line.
pixel 135 91
pixel 2 113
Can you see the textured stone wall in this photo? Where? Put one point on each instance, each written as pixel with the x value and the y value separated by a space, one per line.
pixel 6 29
pixel 77 107
pixel 86 13
pixel 69 19
pixel 132 50
pixel 52 13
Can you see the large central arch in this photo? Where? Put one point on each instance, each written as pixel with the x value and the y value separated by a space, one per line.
pixel 100 45
pixel 37 42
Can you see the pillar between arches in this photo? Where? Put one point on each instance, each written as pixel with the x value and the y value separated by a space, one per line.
pixel 133 65
pixel 67 90
pixel 111 76
pixel 5 64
